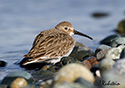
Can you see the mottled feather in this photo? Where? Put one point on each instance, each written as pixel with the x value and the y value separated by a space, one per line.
pixel 51 43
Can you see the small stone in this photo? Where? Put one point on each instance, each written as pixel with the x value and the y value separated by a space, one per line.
pixel 121 27
pixel 9 79
pixel 93 61
pixel 90 62
pixel 43 74
pixel 71 72
pixel 108 39
pixel 66 60
pixel 122 53
pixel 19 83
pixel 118 41
pixel 46 83
pixel 106 65
pixel 114 53
pixel 101 48
pixel 100 55
pixel 84 82
pixel 119 67
pixel 99 14
pixel 80 52
pixel 87 64
pixel 2 63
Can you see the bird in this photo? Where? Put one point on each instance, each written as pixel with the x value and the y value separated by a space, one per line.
pixel 51 45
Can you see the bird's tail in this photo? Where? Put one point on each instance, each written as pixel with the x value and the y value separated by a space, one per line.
pixel 22 63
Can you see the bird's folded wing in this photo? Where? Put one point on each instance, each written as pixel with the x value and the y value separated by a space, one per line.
pixel 51 44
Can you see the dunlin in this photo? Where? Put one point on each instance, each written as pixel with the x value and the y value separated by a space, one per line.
pixel 51 45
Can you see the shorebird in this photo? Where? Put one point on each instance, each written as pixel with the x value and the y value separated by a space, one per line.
pixel 51 45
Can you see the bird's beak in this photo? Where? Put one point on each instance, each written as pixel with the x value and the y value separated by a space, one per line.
pixel 79 33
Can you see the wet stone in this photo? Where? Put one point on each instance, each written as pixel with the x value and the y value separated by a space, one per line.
pixel 118 41
pixel 84 83
pixel 2 63
pixel 101 54
pixel 114 53
pixel 65 61
pixel 108 39
pixel 87 64
pixel 19 82
pixel 119 67
pixel 106 65
pixel 90 62
pixel 100 14
pixel 101 48
pixel 16 77
pixel 46 83
pixel 43 75
pixel 80 52
pixel 121 27
pixel 122 53
pixel 71 72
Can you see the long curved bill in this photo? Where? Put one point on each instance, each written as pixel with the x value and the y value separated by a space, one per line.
pixel 79 33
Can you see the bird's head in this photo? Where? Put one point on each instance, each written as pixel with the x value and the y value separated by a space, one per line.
pixel 67 27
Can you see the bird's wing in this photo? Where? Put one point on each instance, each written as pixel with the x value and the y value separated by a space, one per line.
pixel 50 44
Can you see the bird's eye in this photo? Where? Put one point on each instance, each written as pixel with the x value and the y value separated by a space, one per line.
pixel 66 28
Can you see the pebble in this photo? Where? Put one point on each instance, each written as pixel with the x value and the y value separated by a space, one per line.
pixel 84 83
pixel 101 48
pixel 106 65
pixel 108 39
pixel 46 83
pixel 19 83
pixel 100 55
pixel 114 53
pixel 43 74
pixel 122 53
pixel 71 72
pixel 118 41
pixel 65 61
pixel 99 14
pixel 121 27
pixel 119 67
pixel 80 52
pixel 91 61
pixel 18 78
pixel 2 63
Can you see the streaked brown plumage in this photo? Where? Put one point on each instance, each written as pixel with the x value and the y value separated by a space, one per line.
pixel 53 44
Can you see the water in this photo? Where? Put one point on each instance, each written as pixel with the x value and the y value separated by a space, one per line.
pixel 22 20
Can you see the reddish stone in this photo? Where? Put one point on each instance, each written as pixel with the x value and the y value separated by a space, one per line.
pixel 90 62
